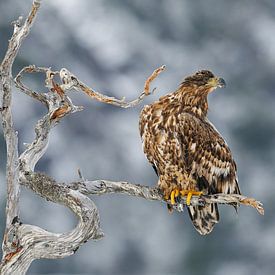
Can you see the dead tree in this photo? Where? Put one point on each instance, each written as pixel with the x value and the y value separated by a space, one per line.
pixel 24 243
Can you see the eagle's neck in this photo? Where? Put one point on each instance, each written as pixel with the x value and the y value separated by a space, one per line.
pixel 195 103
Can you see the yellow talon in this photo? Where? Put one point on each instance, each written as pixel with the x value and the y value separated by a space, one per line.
pixel 189 194
pixel 173 195
pixel 188 199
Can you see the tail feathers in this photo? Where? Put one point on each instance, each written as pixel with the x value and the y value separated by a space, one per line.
pixel 204 217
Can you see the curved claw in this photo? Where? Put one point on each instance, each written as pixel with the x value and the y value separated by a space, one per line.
pixel 189 194
pixel 175 193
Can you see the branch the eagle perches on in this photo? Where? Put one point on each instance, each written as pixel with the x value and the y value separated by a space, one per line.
pixel 24 243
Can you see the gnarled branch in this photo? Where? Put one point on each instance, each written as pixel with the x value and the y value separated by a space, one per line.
pixel 35 243
pixel 24 243
pixel 100 187
pixel 31 242
pixel 70 81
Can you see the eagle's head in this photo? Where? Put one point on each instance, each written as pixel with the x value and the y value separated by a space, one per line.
pixel 203 81
pixel 193 91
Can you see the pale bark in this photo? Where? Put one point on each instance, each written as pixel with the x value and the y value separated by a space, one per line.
pixel 101 187
pixel 24 243
pixel 10 135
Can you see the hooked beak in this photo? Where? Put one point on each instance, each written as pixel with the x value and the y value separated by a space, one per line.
pixel 216 82
pixel 221 83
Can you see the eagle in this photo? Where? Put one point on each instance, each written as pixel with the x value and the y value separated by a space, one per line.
pixel 188 154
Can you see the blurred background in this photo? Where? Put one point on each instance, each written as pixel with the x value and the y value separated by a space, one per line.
pixel 113 46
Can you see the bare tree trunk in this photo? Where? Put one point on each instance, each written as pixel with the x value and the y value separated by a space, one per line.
pixel 24 243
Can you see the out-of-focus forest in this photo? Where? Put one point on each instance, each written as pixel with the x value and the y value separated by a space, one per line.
pixel 113 45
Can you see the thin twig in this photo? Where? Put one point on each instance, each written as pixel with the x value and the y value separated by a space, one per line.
pixel 19 34
pixel 28 91
pixel 71 81
pixel 155 73
pixel 57 102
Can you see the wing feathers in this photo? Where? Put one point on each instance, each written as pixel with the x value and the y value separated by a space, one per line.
pixel 182 146
pixel 212 158
pixel 212 166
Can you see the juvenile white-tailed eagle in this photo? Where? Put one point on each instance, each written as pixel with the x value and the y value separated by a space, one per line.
pixel 188 154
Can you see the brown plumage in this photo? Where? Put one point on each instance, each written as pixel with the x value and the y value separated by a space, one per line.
pixel 186 150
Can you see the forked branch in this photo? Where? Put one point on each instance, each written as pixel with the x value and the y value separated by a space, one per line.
pixel 121 102
pixel 70 82
pixel 31 242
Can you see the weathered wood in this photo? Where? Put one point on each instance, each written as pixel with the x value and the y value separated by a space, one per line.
pixel 13 188
pixel 24 243
pixel 101 187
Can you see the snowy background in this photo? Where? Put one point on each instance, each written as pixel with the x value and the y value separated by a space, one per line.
pixel 113 45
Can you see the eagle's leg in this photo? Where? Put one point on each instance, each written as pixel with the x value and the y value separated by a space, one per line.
pixel 189 194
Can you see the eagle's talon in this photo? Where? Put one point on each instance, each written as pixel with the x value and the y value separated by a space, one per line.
pixel 174 194
pixel 189 194
pixel 172 197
